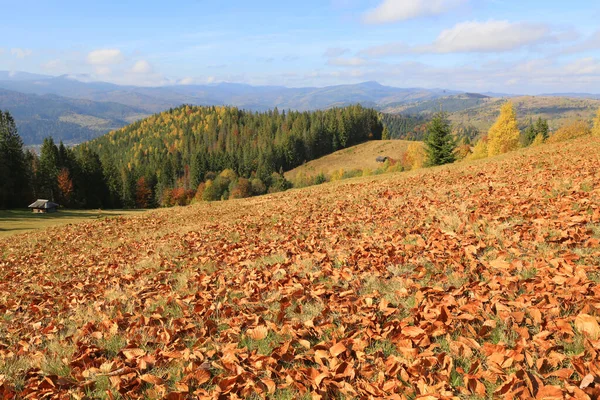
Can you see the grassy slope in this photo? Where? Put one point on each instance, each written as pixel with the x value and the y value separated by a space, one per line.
pixel 459 280
pixel 19 221
pixel 361 156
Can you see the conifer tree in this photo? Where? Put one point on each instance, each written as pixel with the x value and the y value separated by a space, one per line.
pixel 440 143
pixel 541 128
pixel 530 133
pixel 504 135
pixel 13 169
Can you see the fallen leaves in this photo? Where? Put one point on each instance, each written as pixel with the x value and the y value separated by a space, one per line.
pixel 588 325
pixel 400 286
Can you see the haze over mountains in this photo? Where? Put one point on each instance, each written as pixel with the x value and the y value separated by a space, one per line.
pixel 75 110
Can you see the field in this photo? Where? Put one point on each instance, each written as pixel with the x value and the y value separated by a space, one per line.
pixel 20 221
pixel 471 281
pixel 361 156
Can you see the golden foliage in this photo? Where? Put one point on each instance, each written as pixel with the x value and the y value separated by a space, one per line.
pixel 596 128
pixel 539 140
pixel 570 131
pixel 415 154
pixel 480 150
pixel 504 135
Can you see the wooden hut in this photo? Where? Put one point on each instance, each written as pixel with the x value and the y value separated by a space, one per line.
pixel 44 206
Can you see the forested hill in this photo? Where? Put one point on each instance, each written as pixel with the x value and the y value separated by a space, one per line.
pixel 185 146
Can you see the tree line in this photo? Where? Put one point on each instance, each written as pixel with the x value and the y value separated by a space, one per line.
pixel 207 153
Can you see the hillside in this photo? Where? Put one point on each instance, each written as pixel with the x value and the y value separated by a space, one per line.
pixel 362 156
pixel 481 111
pixel 70 120
pixel 471 280
pixel 258 98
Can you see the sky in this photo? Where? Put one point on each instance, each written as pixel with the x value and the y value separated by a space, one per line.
pixel 503 46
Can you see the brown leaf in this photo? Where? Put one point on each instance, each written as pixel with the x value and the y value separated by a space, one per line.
pixel 588 325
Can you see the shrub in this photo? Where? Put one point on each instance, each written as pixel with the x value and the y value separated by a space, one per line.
pixel 279 183
pixel 480 150
pixel 539 140
pixel 258 187
pixel 320 178
pixel 240 189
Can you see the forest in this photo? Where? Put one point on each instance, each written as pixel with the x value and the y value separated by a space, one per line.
pixel 208 153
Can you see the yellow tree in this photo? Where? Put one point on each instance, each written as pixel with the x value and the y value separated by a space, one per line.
pixel 596 128
pixel 504 135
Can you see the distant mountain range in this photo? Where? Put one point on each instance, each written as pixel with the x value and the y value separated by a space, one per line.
pixel 74 110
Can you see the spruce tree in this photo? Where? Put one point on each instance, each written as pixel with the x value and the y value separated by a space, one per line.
pixel 530 133
pixel 541 128
pixel 440 144
pixel 13 171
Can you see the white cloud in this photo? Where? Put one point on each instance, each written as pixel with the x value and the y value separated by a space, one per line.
pixel 186 81
pixel 105 57
pixel 489 36
pixel 346 62
pixel 583 66
pixel 474 37
pixel 335 52
pixel 141 67
pixel 20 53
pixel 53 65
pixel 102 70
pixel 1 51
pixel 401 10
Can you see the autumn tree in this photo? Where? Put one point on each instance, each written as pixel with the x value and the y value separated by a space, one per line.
pixel 504 135
pixel 143 193
pixel 440 143
pixel 65 186
pixel 596 127
pixel 570 130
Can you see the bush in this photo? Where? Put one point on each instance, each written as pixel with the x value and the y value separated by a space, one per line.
pixel 258 187
pixel 351 174
pixel 279 183
pixel 320 178
pixel 570 131
pixel 240 189
pixel 480 150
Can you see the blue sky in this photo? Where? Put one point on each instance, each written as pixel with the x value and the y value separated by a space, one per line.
pixel 525 46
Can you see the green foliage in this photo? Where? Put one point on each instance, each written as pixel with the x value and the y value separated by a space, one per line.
pixel 407 127
pixel 14 174
pixel 440 143
pixel 540 128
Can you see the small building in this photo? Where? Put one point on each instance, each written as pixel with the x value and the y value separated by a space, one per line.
pixel 382 159
pixel 44 206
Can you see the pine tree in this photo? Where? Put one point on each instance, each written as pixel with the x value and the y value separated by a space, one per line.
pixel 596 128
pixel 440 144
pixel 504 135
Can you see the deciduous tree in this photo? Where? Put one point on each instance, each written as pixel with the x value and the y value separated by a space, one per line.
pixel 503 136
